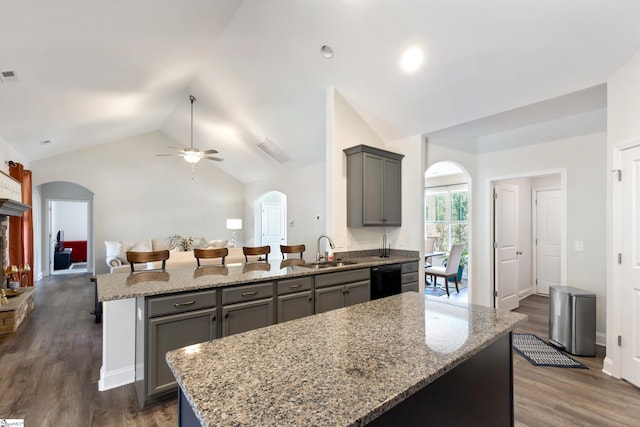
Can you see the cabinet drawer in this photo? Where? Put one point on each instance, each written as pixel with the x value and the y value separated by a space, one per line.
pixel 341 277
pixel 409 267
pixel 180 303
pixel 247 293
pixel 294 285
pixel 409 278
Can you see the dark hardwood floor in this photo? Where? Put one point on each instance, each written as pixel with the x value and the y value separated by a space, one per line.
pixel 49 368
pixel 49 373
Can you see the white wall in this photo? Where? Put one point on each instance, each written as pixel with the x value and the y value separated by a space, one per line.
pixel 139 195
pixel 346 128
pixel 305 191
pixel 623 127
pixel 71 217
pixel 583 158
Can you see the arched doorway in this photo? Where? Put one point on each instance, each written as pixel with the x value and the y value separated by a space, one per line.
pixel 270 221
pixel 447 201
pixel 66 198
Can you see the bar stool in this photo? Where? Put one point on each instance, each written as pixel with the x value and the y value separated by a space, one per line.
pixel 256 250
pixel 210 254
pixel 140 257
pixel 291 249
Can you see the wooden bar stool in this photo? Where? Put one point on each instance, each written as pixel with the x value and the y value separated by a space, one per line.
pixel 210 254
pixel 291 249
pixel 140 257
pixel 256 250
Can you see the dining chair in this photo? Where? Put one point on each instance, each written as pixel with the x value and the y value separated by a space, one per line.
pixel 291 249
pixel 210 253
pixel 256 250
pixel 450 270
pixel 142 257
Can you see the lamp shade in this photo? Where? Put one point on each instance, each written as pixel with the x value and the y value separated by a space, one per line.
pixel 234 224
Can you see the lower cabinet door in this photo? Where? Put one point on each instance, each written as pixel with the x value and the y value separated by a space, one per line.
pixel 330 298
pixel 171 332
pixel 245 316
pixel 410 287
pixel 294 306
pixel 358 292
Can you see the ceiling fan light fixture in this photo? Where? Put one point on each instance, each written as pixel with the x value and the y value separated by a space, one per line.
pixel 193 156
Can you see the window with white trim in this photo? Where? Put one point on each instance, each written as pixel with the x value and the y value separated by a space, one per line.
pixel 446 215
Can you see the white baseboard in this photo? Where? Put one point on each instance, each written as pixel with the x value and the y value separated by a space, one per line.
pixel 601 339
pixel 120 377
pixel 608 367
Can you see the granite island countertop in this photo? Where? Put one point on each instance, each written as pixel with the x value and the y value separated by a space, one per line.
pixel 340 368
pixel 116 286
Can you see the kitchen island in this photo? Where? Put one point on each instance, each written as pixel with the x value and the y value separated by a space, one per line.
pixel 401 360
pixel 120 293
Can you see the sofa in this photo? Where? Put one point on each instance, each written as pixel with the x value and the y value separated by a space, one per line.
pixel 180 253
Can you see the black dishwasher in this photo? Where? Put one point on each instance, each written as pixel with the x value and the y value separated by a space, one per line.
pixel 386 280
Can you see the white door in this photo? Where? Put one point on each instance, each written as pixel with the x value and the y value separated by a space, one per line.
pixel 505 230
pixel 548 234
pixel 273 227
pixel 631 265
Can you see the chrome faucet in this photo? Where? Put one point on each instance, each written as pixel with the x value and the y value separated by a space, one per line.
pixel 318 256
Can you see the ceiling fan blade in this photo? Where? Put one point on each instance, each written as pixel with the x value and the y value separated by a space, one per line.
pixel 172 155
pixel 205 152
pixel 217 159
pixel 183 149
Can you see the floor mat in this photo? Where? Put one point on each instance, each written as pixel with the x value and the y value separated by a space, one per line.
pixel 539 353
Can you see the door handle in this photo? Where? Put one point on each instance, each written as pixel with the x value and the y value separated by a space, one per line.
pixel 518 252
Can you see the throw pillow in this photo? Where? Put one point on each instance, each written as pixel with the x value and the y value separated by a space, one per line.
pixel 200 243
pixel 218 243
pixel 112 248
pixel 174 241
pixel 142 246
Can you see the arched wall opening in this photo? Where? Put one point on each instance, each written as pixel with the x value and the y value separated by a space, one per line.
pixel 61 191
pixel 447 220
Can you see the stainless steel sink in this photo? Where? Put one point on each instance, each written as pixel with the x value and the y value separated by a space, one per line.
pixel 327 264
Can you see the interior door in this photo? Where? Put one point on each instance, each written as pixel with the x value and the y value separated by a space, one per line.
pixel 548 235
pixel 631 265
pixel 505 230
pixel 273 227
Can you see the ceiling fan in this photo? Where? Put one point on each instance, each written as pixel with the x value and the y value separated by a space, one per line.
pixel 193 155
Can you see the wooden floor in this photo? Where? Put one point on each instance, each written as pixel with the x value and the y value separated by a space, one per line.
pixel 547 396
pixel 49 373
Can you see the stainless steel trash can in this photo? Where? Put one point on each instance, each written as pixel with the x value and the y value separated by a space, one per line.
pixel 572 320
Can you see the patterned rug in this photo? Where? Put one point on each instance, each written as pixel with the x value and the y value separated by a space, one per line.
pixel 539 353
pixel 438 291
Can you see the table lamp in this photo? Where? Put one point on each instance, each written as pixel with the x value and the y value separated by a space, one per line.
pixel 234 224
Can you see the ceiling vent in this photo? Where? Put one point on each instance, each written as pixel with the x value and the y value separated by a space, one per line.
pixel 274 151
pixel 8 76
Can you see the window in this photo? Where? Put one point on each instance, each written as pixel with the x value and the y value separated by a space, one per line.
pixel 446 215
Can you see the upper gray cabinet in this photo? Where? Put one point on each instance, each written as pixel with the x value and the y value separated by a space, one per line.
pixel 374 187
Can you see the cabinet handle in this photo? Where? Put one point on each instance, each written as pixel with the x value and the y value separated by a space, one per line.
pixel 310 299
pixel 182 304
pixel 226 315
pixel 213 318
pixel 296 286
pixel 248 294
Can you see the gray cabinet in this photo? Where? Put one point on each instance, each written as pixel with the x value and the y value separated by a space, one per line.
pixel 295 299
pixel 374 187
pixel 410 276
pixel 341 289
pixel 166 323
pixel 247 307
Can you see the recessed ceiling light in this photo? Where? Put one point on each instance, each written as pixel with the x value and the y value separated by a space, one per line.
pixel 326 51
pixel 412 59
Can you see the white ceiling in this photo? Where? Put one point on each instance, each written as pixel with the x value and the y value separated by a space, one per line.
pixel 93 72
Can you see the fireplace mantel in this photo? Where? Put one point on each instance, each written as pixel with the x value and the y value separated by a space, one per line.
pixel 10 207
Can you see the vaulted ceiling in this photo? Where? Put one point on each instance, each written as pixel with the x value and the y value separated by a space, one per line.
pixel 93 72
